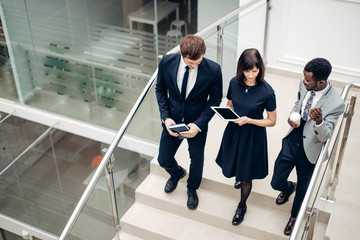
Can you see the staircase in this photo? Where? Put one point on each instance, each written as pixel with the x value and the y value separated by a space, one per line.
pixel 157 215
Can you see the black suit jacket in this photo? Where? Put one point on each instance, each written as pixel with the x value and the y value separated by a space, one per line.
pixel 207 92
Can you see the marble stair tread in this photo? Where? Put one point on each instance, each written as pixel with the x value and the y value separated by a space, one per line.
pixel 126 236
pixel 215 181
pixel 152 223
pixel 215 209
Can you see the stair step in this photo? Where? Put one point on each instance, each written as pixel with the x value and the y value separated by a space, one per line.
pixel 261 190
pixel 152 223
pixel 215 209
pixel 126 236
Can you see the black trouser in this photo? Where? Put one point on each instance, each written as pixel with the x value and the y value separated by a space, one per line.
pixel 292 155
pixel 167 150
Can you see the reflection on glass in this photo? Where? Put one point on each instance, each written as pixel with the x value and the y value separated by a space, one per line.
pixel 86 59
pixel 44 185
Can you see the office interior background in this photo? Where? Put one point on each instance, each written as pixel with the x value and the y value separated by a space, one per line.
pixel 72 70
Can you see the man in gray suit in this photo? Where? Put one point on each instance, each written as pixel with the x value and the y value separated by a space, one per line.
pixel 320 106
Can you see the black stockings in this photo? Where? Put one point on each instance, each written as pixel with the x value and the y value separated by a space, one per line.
pixel 245 192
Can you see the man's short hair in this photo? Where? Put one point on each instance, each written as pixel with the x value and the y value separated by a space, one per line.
pixel 192 47
pixel 320 67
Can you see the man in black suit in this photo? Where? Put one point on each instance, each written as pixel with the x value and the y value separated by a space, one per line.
pixel 187 86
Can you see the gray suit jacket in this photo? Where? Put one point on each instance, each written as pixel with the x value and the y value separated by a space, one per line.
pixel 332 106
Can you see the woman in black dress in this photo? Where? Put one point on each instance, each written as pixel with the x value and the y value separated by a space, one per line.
pixel 243 151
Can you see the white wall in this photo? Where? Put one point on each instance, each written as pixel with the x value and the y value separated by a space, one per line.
pixel 240 32
pixel 301 30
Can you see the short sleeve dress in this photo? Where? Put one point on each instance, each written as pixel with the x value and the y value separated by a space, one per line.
pixel 243 150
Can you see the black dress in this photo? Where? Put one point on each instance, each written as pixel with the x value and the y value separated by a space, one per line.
pixel 243 150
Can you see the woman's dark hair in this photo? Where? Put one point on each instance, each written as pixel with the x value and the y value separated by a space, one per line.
pixel 250 58
pixel 320 68
pixel 192 47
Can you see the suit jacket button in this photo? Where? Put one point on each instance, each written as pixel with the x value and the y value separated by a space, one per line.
pixel 304 136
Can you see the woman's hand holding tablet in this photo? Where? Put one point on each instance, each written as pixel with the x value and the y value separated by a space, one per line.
pixel 225 113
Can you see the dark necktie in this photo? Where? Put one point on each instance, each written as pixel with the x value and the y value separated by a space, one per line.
pixel 308 106
pixel 184 83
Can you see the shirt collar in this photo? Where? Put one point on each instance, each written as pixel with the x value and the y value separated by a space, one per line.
pixel 321 92
pixel 183 65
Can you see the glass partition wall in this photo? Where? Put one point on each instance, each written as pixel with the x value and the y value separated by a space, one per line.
pixel 88 60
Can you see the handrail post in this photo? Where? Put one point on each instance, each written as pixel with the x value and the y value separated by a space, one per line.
pixel 220 34
pixel 335 180
pixel 111 188
pixel 311 225
pixel 331 161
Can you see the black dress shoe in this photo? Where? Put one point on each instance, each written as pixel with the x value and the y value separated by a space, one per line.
pixel 193 199
pixel 239 215
pixel 284 197
pixel 172 183
pixel 289 226
pixel 237 185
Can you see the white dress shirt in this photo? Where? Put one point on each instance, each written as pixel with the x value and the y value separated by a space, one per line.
pixel 318 95
pixel 191 79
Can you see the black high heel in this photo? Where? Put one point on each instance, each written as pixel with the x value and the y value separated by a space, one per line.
pixel 237 185
pixel 239 215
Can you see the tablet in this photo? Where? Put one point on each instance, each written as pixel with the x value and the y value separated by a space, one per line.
pixel 181 127
pixel 226 113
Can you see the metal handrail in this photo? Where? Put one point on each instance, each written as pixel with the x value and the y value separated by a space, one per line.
pixel 241 11
pixel 316 172
pixel 86 195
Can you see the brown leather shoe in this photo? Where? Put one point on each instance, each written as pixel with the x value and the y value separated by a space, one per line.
pixel 289 226
pixel 284 197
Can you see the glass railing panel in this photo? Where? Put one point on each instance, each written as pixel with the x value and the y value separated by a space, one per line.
pixel 97 214
pixel 239 33
pixel 210 39
pixel 102 211
pixel 146 125
pixel 42 187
